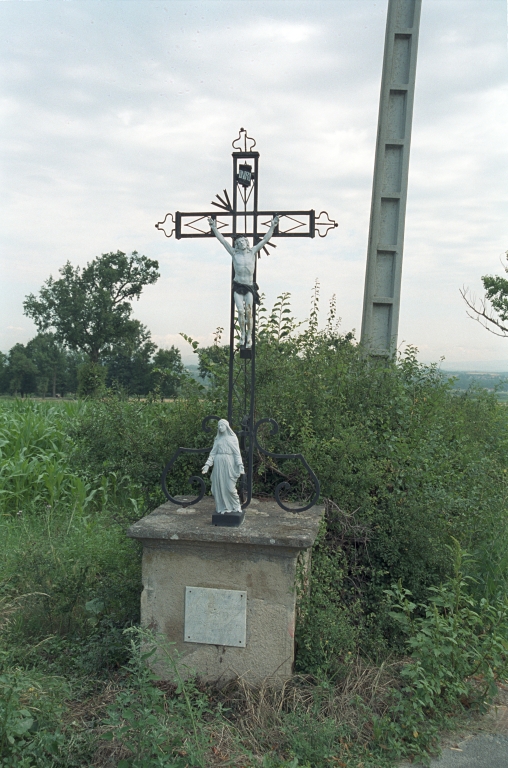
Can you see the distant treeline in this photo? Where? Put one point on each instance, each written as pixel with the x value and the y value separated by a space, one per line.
pixel 43 367
pixel 491 381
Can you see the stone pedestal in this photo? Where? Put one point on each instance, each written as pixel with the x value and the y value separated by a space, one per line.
pixel 225 596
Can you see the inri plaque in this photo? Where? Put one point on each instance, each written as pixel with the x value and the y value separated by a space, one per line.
pixel 215 616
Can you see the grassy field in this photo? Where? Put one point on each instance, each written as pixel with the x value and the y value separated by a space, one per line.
pixel 75 688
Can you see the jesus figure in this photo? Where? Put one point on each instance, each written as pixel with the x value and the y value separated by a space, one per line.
pixel 245 290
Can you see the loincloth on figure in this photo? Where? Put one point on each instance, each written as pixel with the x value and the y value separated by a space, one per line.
pixel 243 289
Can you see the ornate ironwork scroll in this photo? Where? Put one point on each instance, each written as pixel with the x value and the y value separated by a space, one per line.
pixel 285 486
pixel 165 224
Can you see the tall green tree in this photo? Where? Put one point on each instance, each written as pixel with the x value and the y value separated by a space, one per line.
pixel 50 360
pixel 21 371
pixel 41 366
pixel 3 372
pixel 168 371
pixel 90 309
pixel 130 363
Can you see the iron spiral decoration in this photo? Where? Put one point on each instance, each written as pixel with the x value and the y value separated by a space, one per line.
pixel 285 486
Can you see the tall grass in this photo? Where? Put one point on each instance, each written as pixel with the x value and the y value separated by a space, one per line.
pixel 36 470
pixel 69 580
pixel 67 563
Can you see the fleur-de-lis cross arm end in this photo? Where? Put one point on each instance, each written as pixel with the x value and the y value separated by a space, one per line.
pixel 248 142
pixel 166 224
pixel 324 224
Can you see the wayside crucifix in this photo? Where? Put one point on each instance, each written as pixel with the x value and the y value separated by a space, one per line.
pixel 240 220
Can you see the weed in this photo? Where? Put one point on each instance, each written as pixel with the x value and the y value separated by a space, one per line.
pixel 458 649
pixel 30 714
pixel 151 728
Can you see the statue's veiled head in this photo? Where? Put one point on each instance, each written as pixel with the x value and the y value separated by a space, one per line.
pixel 224 431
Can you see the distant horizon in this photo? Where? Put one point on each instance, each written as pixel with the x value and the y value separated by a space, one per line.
pixel 475 366
pixel 449 366
pixel 465 366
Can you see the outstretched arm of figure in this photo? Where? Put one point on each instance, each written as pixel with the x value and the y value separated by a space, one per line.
pixel 210 459
pixel 268 235
pixel 206 467
pixel 220 238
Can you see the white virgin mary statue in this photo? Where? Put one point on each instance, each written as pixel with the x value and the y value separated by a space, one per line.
pixel 226 459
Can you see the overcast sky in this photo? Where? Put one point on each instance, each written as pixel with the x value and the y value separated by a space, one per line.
pixel 116 112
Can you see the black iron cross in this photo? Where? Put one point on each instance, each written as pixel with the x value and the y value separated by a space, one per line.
pixel 242 217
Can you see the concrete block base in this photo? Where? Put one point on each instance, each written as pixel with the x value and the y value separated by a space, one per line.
pixel 182 549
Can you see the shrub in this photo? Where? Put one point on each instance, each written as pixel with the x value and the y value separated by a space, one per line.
pixel 91 379
pixel 458 649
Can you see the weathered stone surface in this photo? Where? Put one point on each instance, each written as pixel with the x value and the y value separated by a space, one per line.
pixel 265 524
pixel 182 549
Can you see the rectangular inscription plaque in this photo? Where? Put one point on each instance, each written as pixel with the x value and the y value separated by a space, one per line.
pixel 215 616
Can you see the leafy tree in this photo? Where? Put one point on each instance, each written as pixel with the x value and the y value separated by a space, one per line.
pixel 74 362
pixel 210 360
pixel 130 363
pixel 492 310
pixel 50 360
pixel 168 371
pixel 210 357
pixel 3 372
pixel 90 308
pixel 21 371
pixel 40 366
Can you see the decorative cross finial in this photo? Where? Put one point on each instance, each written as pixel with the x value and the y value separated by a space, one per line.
pixel 245 139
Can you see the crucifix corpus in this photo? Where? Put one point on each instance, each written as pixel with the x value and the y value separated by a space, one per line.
pixel 237 436
pixel 245 290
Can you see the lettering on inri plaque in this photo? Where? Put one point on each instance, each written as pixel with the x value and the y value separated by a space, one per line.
pixel 215 616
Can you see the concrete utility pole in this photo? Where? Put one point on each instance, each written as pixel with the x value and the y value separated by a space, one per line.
pixel 381 301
